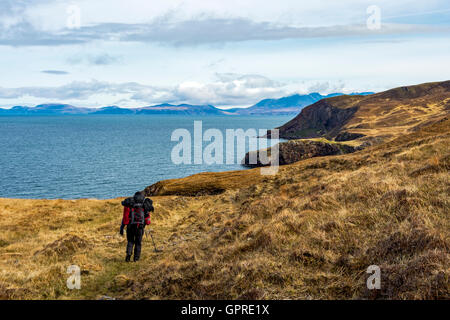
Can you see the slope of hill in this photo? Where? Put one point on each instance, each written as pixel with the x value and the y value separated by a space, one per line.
pixel 345 124
pixel 312 231
pixel 309 232
pixel 371 118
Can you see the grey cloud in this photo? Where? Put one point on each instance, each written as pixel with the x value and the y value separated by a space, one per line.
pixel 210 31
pixel 11 7
pixel 319 87
pixel 250 80
pixel 327 87
pixel 104 59
pixel 196 32
pixel 98 60
pixel 55 72
pixel 24 34
pixel 214 30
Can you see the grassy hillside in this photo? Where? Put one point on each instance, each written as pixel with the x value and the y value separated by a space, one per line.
pixel 310 232
pixel 377 117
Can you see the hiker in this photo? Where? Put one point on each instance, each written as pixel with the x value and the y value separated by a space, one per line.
pixel 136 215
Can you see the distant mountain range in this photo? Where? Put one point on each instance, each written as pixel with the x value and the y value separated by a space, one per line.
pixel 286 105
pixel 290 105
pixel 65 109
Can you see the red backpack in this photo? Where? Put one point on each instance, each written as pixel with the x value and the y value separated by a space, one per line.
pixel 134 213
pixel 137 215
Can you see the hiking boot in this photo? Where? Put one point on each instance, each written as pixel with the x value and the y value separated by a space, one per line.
pixel 127 258
pixel 136 259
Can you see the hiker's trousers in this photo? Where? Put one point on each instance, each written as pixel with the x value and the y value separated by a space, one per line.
pixel 134 238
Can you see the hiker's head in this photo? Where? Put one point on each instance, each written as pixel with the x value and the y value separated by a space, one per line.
pixel 139 197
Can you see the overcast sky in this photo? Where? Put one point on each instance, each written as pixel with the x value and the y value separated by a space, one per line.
pixel 94 53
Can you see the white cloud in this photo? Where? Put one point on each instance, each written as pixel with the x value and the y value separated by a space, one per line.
pixel 228 89
pixel 75 90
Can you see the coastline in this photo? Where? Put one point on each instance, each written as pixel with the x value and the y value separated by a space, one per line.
pixel 337 213
pixel 188 186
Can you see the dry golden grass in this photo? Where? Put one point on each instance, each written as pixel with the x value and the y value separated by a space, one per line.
pixel 41 238
pixel 206 183
pixel 310 232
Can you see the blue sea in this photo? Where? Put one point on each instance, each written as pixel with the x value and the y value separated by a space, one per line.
pixel 72 157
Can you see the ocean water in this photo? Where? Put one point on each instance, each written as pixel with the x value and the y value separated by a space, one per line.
pixel 72 157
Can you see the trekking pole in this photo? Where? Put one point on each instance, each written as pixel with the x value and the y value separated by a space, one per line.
pixel 154 245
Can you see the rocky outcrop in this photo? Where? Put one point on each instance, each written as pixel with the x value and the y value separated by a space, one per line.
pixel 322 118
pixel 348 136
pixel 296 150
